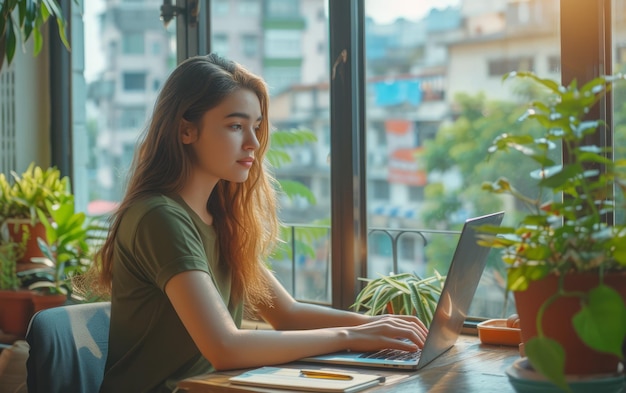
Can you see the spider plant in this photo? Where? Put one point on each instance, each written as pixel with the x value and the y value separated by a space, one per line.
pixel 403 293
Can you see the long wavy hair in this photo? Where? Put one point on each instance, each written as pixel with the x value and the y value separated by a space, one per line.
pixel 244 214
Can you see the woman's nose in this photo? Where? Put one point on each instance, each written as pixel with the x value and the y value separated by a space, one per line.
pixel 251 142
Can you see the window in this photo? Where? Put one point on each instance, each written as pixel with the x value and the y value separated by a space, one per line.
pixel 380 190
pixel 249 7
pixel 133 44
pixel 156 48
pixel 280 78
pixel 220 7
pixel 554 64
pixel 270 44
pixel 282 8
pixel 250 44
pixel 283 43
pixel 500 67
pixel 118 98
pixel 220 44
pixel 433 113
pixel 134 81
pixel 443 84
pixel 133 118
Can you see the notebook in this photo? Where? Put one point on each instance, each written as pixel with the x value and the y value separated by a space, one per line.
pixel 463 276
pixel 307 380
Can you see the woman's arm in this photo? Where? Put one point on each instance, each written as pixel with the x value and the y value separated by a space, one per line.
pixel 289 314
pixel 206 318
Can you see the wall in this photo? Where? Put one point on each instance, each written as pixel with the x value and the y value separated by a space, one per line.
pixel 30 117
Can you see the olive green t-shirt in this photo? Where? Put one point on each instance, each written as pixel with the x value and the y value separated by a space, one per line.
pixel 149 348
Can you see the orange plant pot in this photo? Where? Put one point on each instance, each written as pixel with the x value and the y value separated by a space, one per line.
pixel 17 228
pixel 557 320
pixel 45 301
pixel 16 309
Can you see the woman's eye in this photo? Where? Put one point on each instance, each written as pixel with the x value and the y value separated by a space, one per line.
pixel 236 127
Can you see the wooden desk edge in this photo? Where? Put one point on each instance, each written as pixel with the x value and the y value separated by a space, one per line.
pixel 468 362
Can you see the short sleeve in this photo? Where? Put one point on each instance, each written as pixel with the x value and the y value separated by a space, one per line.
pixel 166 243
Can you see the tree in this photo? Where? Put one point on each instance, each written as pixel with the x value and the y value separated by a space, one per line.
pixel 460 147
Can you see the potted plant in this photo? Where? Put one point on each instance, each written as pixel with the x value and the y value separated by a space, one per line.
pixel 22 196
pixel 15 302
pixel 566 264
pixel 65 249
pixel 403 293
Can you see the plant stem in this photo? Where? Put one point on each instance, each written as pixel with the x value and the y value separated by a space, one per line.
pixel 548 303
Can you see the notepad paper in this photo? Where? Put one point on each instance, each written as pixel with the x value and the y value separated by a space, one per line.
pixel 291 378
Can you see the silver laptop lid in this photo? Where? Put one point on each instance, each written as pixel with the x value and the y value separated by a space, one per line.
pixel 463 276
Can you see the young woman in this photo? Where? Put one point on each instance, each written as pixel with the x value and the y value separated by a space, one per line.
pixel 187 246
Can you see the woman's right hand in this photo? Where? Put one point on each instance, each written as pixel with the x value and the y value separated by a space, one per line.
pixel 387 332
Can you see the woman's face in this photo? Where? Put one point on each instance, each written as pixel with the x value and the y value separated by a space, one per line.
pixel 225 142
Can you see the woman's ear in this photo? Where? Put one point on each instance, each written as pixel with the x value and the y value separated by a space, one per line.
pixel 188 132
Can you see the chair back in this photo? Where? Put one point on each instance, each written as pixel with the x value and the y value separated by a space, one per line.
pixel 68 348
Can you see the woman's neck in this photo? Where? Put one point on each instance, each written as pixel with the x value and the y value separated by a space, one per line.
pixel 196 195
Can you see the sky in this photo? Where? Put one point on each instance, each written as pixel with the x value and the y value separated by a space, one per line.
pixel 387 11
pixel 93 51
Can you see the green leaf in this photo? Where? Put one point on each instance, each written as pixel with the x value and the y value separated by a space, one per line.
pixel 11 40
pixel 601 323
pixel 518 277
pixel 560 178
pixel 293 188
pixel 548 358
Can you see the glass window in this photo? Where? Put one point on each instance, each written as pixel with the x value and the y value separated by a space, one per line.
pixel 281 8
pixel 435 102
pixel 250 44
pixel 220 7
pixel 280 78
pixel 134 81
pixel 219 43
pixel 283 43
pixel 133 44
pixel 286 56
pixel 132 118
pixel 249 7
pixel 118 98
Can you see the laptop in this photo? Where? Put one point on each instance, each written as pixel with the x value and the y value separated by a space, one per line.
pixel 463 276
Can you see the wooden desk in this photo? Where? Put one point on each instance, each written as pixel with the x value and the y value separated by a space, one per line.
pixel 469 366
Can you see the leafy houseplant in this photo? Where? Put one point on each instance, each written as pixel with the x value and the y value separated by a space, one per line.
pixel 65 246
pixel 10 252
pixel 21 197
pixel 19 19
pixel 565 235
pixel 29 191
pixel 403 293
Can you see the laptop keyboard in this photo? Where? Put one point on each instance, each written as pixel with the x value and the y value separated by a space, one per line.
pixel 392 354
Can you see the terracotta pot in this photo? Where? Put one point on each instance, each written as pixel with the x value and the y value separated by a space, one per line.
pixel 16 231
pixel 16 309
pixel 45 301
pixel 557 320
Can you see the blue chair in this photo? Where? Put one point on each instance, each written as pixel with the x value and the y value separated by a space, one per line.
pixel 68 348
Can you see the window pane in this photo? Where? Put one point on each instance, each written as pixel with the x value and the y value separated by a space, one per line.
pixel 128 53
pixel 133 44
pixel 435 102
pixel 282 45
